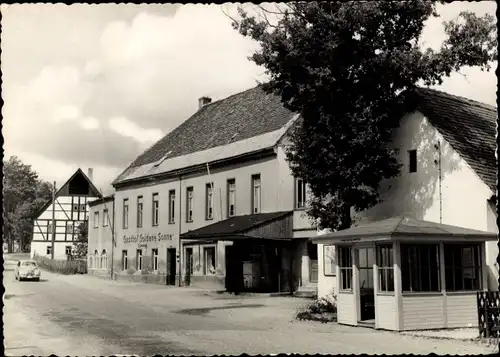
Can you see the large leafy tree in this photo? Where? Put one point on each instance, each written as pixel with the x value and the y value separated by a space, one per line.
pixel 24 194
pixel 82 241
pixel 349 69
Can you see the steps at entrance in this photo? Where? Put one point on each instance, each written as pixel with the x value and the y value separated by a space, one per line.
pixel 307 291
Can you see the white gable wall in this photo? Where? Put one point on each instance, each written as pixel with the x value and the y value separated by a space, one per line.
pixel 69 212
pixel 463 194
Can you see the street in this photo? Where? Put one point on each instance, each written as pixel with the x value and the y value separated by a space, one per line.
pixel 85 315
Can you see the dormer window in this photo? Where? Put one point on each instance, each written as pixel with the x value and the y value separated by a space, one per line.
pixel 163 158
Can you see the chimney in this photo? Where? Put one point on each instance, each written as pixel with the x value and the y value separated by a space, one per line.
pixel 204 101
pixel 90 174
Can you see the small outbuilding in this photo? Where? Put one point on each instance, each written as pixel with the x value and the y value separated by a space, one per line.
pixel 403 273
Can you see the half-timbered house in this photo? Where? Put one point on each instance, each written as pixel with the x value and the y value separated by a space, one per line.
pixel 62 219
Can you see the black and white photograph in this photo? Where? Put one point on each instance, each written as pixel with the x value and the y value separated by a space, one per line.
pixel 250 178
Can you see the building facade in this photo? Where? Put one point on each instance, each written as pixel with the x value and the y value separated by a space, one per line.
pixel 226 161
pixel 447 148
pixel 70 210
pixel 100 237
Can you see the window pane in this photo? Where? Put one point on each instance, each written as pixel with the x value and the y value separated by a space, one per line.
pixel 382 273
pixel 346 276
pixel 459 281
pixel 390 279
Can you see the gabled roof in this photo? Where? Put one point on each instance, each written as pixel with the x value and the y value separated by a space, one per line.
pixel 248 120
pixel 235 226
pixel 404 226
pixel 93 191
pixel 105 199
pixel 468 126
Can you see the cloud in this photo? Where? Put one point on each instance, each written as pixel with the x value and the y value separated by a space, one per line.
pixel 129 129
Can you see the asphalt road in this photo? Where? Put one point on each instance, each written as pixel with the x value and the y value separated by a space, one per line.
pixel 85 315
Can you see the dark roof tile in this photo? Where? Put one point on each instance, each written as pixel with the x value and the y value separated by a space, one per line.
pixel 402 225
pixel 235 225
pixel 241 116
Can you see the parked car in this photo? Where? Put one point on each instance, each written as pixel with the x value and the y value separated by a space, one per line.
pixel 27 270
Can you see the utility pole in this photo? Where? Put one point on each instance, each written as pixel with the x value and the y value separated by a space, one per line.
pixel 53 220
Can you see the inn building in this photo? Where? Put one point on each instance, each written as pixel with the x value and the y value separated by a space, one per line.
pixel 213 204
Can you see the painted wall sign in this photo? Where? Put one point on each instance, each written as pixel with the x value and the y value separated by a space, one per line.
pixel 145 238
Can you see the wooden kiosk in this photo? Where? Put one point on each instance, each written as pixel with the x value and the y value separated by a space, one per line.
pixel 407 274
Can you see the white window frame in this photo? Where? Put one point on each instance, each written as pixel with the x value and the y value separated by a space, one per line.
pixel 345 267
pixel 104 259
pixel 154 253
pixel 385 267
pixel 139 260
pixel 105 216
pixel 48 250
pixel 231 197
pixel 140 211
pixel 156 209
pixel 96 219
pixel 70 250
pixel 83 207
pixel 124 260
pixel 125 213
pixel 171 206
pixel 300 193
pixel 209 204
pixel 69 227
pixel 256 193
pixel 189 203
pixel 205 260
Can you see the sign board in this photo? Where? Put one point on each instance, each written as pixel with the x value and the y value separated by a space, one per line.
pixel 143 238
pixel 329 260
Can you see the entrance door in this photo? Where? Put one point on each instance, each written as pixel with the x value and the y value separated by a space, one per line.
pixel 312 252
pixel 189 265
pixel 171 266
pixel 366 259
pixel 234 270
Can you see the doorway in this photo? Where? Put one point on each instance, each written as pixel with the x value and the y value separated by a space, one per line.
pixel 171 266
pixel 366 259
pixel 312 252
pixel 189 266
pixel 234 269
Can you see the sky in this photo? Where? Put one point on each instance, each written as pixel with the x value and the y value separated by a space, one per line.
pixel 96 85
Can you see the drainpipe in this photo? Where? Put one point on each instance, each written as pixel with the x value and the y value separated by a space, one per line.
pixel 180 230
pixel 438 162
pixel 112 239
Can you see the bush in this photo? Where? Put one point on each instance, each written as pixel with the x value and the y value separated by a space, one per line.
pixel 324 310
pixel 66 267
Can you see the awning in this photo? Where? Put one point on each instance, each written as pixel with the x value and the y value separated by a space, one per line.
pixel 269 226
pixel 402 227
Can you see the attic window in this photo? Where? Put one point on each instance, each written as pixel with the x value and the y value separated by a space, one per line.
pixel 163 158
pixel 412 158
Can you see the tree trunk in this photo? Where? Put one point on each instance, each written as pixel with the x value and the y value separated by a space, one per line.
pixel 10 245
pixel 346 218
